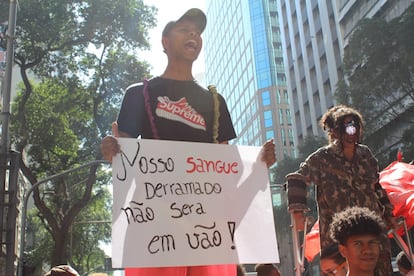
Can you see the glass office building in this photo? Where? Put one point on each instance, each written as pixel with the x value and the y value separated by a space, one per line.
pixel 244 59
pixel 315 34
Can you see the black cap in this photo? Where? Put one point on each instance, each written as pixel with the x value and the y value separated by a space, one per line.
pixel 195 15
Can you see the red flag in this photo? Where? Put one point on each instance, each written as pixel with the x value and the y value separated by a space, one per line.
pixel 399 156
pixel 398 181
pixel 313 244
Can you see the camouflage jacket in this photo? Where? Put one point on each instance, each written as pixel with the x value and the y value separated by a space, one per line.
pixel 339 184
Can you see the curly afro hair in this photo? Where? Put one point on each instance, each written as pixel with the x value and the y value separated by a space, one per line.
pixel 355 221
pixel 334 118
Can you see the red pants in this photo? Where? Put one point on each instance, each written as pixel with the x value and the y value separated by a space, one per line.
pixel 210 270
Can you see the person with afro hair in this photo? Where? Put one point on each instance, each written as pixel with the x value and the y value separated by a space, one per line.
pixel 358 232
pixel 345 173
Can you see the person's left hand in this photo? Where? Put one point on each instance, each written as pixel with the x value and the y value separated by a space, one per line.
pixel 268 153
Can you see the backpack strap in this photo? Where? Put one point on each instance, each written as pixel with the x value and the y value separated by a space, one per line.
pixel 216 112
pixel 148 110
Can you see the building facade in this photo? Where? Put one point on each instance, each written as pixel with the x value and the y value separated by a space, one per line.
pixel 315 35
pixel 313 52
pixel 244 59
pixel 349 13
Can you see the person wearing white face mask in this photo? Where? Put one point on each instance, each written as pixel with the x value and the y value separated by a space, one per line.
pixel 345 173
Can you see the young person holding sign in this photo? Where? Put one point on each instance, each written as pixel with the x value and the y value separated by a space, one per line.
pixel 175 107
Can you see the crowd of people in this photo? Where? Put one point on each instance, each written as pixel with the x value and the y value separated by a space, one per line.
pixel 354 211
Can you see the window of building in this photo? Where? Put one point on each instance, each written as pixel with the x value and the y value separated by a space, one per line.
pixel 281 117
pixel 290 133
pixel 265 98
pixel 288 117
pixel 270 134
pixel 282 134
pixel 268 120
pixel 286 96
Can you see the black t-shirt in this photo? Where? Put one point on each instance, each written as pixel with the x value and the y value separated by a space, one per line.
pixel 181 111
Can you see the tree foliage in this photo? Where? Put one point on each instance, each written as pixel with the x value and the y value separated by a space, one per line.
pixel 288 165
pixel 92 227
pixel 82 56
pixel 379 73
pixel 378 64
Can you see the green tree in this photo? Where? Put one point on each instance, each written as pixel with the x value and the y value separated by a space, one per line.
pixel 81 53
pixel 379 74
pixel 310 144
pixel 91 228
pixel 284 167
pixel 288 165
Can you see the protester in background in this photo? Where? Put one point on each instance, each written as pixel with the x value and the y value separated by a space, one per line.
pixel 62 270
pixel 345 173
pixel 332 263
pixel 358 231
pixel 175 107
pixel 267 270
pixel 404 265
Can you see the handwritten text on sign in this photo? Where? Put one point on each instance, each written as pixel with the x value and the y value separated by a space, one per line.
pixel 183 203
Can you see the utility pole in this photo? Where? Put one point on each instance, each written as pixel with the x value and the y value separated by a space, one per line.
pixel 8 162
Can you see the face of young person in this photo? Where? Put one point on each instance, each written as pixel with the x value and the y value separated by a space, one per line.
pixel 183 41
pixel 361 253
pixel 330 268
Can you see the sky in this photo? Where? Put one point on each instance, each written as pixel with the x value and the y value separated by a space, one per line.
pixel 168 10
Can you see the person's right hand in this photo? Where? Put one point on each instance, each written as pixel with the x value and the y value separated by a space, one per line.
pixel 109 144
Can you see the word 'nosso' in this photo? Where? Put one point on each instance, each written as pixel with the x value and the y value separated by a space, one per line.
pixel 146 165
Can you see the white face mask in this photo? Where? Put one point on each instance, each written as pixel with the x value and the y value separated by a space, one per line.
pixel 350 128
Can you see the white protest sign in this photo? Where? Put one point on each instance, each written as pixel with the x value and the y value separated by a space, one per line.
pixel 187 203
